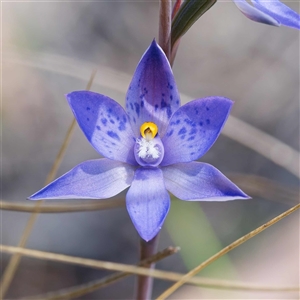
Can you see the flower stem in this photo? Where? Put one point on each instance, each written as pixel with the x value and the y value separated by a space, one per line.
pixel 147 249
pixel 144 283
pixel 165 21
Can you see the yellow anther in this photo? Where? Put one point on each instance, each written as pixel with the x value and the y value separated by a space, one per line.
pixel 148 130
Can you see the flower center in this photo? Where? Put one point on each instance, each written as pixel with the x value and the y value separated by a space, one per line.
pixel 148 149
pixel 148 130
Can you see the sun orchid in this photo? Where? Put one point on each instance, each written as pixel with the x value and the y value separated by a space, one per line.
pixel 271 12
pixel 150 147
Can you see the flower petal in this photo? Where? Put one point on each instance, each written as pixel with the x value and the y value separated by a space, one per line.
pixel 152 95
pixel 279 11
pixel 105 124
pixel 93 179
pixel 148 202
pixel 200 181
pixel 194 128
pixel 255 14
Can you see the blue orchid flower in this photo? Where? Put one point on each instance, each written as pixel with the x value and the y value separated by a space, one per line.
pixel 271 12
pixel 150 147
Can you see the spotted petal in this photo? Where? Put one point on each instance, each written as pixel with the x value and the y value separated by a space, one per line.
pixel 94 179
pixel 148 202
pixel 199 181
pixel 255 14
pixel 152 95
pixel 105 124
pixel 279 11
pixel 194 128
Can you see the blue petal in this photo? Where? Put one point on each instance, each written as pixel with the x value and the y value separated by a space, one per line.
pixel 152 95
pixel 148 202
pixel 255 14
pixel 105 124
pixel 94 179
pixel 279 11
pixel 194 128
pixel 199 181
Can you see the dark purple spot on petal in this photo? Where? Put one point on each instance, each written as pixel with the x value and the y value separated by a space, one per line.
pixel 113 135
pixel 98 127
pixel 193 131
pixel 207 108
pixel 122 126
pixel 191 138
pixel 163 103
pixel 137 108
pixel 183 137
pixel 190 122
pixel 192 153
pixel 131 106
pixel 177 102
pixel 104 121
pixel 207 121
pixel 87 119
pixel 170 86
pixel 171 97
pixel 142 104
pixel 156 107
pixel 112 121
pixel 88 108
pixel 182 131
pixel 170 132
pixel 169 111
pixel 201 123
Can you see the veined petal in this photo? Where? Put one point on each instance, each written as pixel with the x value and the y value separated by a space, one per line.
pixel 105 124
pixel 193 129
pixel 279 11
pixel 148 202
pixel 255 14
pixel 200 181
pixel 93 179
pixel 152 95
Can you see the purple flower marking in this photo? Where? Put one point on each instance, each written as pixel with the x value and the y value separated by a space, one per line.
pixel 150 147
pixel 271 12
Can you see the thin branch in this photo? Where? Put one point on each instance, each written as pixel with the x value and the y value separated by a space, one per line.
pixel 89 287
pixel 159 274
pixel 225 250
pixel 235 129
pixel 64 208
pixel 165 21
pixel 14 261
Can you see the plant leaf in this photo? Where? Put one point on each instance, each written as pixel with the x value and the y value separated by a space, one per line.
pixel 189 12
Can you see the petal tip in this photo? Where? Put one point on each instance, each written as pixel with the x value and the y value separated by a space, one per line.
pixel 148 237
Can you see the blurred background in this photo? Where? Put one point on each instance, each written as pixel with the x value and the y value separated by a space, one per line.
pixel 51 48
